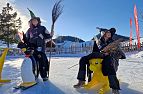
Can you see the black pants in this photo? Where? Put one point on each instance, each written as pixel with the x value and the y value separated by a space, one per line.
pixel 83 63
pixel 107 64
pixel 108 69
pixel 84 66
pixel 43 63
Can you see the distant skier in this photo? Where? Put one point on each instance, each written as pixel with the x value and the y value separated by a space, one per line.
pixel 109 64
pixel 37 35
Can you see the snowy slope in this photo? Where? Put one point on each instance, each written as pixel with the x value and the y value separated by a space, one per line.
pixel 137 55
pixel 131 74
pixel 62 79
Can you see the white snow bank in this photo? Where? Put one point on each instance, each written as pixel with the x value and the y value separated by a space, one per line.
pixel 137 55
pixel 62 78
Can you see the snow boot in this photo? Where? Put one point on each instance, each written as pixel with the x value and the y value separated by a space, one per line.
pixel 115 91
pixel 45 79
pixel 79 84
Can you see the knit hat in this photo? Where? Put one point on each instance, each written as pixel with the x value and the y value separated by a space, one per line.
pixel 112 31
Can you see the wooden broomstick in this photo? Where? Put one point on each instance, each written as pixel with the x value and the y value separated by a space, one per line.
pixel 56 12
pixel 112 46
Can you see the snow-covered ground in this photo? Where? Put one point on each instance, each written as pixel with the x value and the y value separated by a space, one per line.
pixel 137 55
pixel 62 78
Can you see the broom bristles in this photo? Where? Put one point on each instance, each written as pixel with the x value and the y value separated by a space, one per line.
pixel 112 46
pixel 57 11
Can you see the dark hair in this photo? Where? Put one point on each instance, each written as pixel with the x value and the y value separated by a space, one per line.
pixel 37 18
pixel 112 30
pixel 107 31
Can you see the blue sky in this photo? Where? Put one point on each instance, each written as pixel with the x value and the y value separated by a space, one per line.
pixel 81 17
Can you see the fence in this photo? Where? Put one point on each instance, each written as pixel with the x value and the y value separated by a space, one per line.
pixel 74 50
pixel 127 48
pixel 70 50
pixel 88 49
pixel 12 52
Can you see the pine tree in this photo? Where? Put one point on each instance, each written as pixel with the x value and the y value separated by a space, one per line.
pixel 9 25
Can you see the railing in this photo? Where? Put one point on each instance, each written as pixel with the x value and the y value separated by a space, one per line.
pixel 73 50
pixel 88 49
pixel 134 47
pixel 12 52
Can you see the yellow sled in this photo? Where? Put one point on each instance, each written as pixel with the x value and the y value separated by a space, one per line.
pixel 99 82
pixel 2 59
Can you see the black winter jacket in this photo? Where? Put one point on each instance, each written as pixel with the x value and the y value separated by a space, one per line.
pixel 37 35
pixel 102 44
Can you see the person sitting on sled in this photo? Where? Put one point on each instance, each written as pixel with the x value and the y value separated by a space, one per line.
pixel 37 35
pixel 109 61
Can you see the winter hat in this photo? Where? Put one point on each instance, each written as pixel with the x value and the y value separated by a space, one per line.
pixel 106 31
pixel 112 31
pixel 31 13
pixel 102 31
pixel 33 16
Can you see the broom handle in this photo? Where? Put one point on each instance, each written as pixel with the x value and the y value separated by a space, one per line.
pixel 52 31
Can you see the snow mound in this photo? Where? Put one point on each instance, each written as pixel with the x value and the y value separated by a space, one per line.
pixel 137 55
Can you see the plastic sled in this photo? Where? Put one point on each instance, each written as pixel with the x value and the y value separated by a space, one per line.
pixel 99 82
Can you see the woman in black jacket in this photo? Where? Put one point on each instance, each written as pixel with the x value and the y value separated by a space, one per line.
pixel 104 41
pixel 37 35
pixel 108 67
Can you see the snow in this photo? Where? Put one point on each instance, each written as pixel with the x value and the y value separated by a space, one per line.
pixel 130 73
pixel 137 55
pixel 62 78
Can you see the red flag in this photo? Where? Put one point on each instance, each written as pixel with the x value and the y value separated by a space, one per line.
pixel 137 26
pixel 130 32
